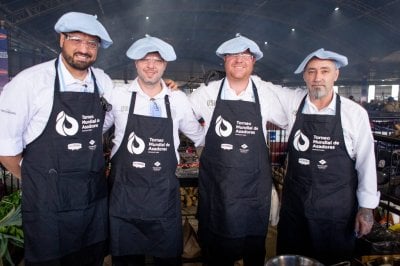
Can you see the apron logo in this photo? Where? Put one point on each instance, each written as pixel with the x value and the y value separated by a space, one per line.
pixel 244 148
pixel 157 166
pixel 304 161
pixel 66 125
pixel 322 164
pixel 92 145
pixel 135 144
pixel 74 146
pixel 138 164
pixel 222 127
pixel 226 146
pixel 300 142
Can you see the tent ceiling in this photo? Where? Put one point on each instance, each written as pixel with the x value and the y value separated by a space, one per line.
pixel 366 31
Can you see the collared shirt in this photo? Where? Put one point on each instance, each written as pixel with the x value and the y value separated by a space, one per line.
pixel 204 98
pixel 357 134
pixel 69 83
pixel 182 115
pixel 26 102
pixel 230 94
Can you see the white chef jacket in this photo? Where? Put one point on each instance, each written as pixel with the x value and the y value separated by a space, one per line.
pixel 357 133
pixel 204 98
pixel 183 118
pixel 26 102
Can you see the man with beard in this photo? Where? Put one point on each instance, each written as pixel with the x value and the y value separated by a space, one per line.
pixel 330 188
pixel 51 136
pixel 145 207
pixel 235 172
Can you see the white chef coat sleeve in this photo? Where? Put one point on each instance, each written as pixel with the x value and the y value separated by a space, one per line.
pixel 365 164
pixel 197 99
pixel 16 111
pixel 272 108
pixel 106 87
pixel 203 101
pixel 104 82
pixel 109 118
pixel 189 124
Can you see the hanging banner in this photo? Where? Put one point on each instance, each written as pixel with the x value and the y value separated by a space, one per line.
pixel 3 58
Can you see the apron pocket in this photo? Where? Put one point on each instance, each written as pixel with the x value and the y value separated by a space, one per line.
pixel 75 190
pixel 146 203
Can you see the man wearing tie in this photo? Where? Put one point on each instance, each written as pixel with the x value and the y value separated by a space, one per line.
pixel 145 205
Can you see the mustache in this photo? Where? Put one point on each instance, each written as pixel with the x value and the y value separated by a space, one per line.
pixel 83 54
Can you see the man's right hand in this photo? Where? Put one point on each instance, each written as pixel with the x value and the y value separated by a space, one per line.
pixel 12 164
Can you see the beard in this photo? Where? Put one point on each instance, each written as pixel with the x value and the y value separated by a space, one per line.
pixel 318 92
pixel 79 65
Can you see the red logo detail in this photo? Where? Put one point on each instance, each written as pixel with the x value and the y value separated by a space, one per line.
pixel 3 36
pixel 3 71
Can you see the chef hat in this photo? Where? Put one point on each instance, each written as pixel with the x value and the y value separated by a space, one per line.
pixel 149 44
pixel 339 60
pixel 76 21
pixel 237 45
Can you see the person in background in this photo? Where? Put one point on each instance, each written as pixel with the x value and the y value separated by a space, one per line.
pixel 51 137
pixel 235 173
pixel 145 207
pixel 390 105
pixel 330 188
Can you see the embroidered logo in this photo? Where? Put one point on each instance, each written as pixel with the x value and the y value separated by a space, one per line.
pixel 304 161
pixel 226 146
pixel 66 125
pixel 244 148
pixel 135 144
pixel 300 141
pixel 74 146
pixel 92 145
pixel 322 164
pixel 138 164
pixel 157 166
pixel 222 127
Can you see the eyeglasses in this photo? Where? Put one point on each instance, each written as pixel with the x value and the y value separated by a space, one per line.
pixel 243 56
pixel 75 40
pixel 154 60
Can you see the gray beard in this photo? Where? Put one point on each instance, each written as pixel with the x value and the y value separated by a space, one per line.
pixel 318 94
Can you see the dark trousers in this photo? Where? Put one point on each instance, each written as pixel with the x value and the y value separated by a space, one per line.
pixel 139 260
pixel 92 255
pixel 327 241
pixel 224 252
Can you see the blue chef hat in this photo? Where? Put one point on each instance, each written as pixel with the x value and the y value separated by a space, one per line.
pixel 237 45
pixel 76 21
pixel 149 44
pixel 339 60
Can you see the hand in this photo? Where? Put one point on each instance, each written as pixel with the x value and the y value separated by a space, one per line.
pixel 364 222
pixel 171 84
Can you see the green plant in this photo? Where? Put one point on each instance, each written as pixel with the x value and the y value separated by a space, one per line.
pixel 10 225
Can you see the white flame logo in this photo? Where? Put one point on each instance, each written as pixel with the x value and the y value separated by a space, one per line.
pixel 66 125
pixel 135 144
pixel 300 142
pixel 222 127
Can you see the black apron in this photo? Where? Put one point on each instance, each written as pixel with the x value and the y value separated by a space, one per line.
pixel 319 194
pixel 235 174
pixel 145 203
pixel 64 199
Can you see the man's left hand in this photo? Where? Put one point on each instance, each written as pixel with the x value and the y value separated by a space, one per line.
pixel 364 222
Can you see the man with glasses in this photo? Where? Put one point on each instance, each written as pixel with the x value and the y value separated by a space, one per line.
pixel 51 137
pixel 235 174
pixel 145 207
